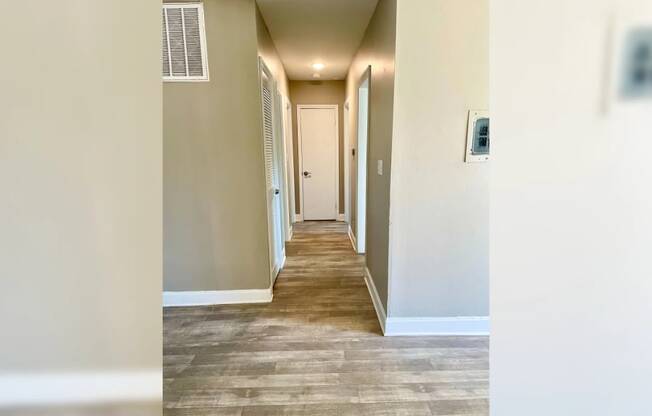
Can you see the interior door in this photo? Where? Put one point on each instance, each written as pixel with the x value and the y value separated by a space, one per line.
pixel 319 161
pixel 272 174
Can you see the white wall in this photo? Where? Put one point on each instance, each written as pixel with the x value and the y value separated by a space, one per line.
pixel 571 223
pixel 439 255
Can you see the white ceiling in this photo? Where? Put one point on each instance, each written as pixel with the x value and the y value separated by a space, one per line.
pixel 309 31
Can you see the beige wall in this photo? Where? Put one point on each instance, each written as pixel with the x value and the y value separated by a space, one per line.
pixel 439 204
pixel 80 177
pixel 267 51
pixel 317 92
pixel 377 49
pixel 215 216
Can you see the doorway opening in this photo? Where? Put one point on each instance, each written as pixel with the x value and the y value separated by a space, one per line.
pixel 347 165
pixel 361 165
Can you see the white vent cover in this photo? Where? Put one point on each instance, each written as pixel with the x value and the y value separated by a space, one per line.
pixel 184 42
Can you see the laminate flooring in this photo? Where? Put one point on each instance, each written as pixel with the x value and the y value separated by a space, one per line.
pixel 316 349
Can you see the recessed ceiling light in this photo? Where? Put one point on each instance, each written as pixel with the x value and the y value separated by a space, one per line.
pixel 318 66
pixel 316 75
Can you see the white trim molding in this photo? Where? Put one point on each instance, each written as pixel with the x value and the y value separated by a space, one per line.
pixel 341 217
pixel 375 298
pixel 454 325
pixel 362 156
pixel 298 217
pixel 352 238
pixel 347 162
pixel 217 297
pixel 420 326
pixel 42 389
pixel 276 272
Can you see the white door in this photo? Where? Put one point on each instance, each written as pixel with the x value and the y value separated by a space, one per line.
pixel 319 161
pixel 272 174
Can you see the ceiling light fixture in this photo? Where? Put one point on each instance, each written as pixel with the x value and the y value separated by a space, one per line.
pixel 318 66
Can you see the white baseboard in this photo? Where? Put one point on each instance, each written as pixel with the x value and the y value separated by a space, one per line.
pixel 341 217
pixel 217 297
pixel 278 269
pixel 454 325
pixel 352 238
pixel 421 326
pixel 80 388
pixel 375 298
pixel 276 273
pixel 298 218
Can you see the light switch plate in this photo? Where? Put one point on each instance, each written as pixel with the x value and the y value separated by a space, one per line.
pixel 380 167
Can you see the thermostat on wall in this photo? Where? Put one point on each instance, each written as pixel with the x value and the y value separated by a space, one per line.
pixel 477 137
pixel 629 83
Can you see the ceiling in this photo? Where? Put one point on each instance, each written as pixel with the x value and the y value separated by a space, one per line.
pixel 310 31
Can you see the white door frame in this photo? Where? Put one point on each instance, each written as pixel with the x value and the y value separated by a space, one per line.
pixel 289 159
pixel 283 179
pixel 274 268
pixel 362 166
pixel 347 164
pixel 337 153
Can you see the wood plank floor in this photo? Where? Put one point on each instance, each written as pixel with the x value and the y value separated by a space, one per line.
pixel 317 349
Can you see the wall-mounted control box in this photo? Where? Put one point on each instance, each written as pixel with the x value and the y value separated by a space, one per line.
pixel 478 142
pixel 629 76
pixel 636 76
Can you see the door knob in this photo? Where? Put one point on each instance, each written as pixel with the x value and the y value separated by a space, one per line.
pixel 277 191
pixel 306 174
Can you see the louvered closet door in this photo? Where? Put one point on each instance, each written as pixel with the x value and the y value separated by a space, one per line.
pixel 268 126
pixel 272 176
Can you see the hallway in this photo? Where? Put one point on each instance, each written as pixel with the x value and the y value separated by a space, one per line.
pixel 316 349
